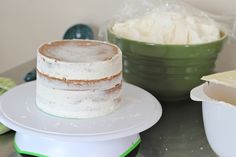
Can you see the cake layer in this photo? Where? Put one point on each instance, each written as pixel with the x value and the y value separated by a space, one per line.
pixel 78 104
pixel 101 84
pixel 79 60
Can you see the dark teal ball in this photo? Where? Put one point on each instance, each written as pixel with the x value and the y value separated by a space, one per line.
pixel 79 31
pixel 30 76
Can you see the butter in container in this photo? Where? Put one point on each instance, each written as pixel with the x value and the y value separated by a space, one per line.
pixel 218 97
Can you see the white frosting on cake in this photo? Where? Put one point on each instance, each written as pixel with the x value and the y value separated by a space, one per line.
pixel 80 68
pixel 82 54
pixel 168 27
pixel 78 78
pixel 77 104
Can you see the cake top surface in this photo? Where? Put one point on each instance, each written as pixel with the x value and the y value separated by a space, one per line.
pixel 81 51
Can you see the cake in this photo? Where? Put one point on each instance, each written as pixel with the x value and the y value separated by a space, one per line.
pixel 78 78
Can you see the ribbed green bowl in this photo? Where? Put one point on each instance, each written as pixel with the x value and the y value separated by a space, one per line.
pixel 167 71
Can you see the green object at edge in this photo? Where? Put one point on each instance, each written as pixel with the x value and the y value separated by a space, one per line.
pixel 5 84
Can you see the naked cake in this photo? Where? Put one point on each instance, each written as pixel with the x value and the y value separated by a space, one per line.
pixel 79 78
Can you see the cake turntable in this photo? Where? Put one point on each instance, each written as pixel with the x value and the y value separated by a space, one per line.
pixel 113 135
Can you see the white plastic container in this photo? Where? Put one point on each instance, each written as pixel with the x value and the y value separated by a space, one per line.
pixel 219 116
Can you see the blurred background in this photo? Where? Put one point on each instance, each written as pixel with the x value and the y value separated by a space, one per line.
pixel 25 24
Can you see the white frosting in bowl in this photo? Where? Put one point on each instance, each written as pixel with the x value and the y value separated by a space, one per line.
pixel 164 27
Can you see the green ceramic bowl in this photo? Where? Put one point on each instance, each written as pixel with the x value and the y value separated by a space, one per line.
pixel 167 71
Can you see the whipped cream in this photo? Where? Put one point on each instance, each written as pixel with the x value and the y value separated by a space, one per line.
pixel 164 27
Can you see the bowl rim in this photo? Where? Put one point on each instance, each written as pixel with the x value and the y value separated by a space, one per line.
pixel 222 38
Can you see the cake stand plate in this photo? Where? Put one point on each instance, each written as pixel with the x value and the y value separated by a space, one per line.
pixel 113 135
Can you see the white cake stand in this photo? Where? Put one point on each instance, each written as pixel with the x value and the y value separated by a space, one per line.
pixel 113 135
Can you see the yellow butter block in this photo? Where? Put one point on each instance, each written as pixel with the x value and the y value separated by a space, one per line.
pixel 227 78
